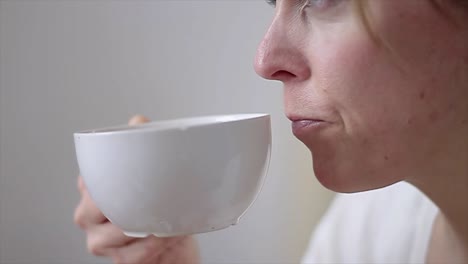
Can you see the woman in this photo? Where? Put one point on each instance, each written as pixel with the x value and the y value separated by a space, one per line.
pixel 378 91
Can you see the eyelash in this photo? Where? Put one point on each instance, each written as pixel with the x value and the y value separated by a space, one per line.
pixel 271 2
pixel 308 3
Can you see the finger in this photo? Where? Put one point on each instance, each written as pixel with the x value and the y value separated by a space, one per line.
pixel 87 214
pixel 183 251
pixel 104 237
pixel 143 250
pixel 169 256
pixel 81 185
pixel 169 251
pixel 138 119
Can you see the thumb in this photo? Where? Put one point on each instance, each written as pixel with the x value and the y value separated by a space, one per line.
pixel 138 119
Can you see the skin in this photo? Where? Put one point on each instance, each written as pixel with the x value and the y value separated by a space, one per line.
pixel 106 240
pixel 375 104
pixel 391 97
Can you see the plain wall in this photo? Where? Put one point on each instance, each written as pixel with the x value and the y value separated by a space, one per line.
pixel 72 65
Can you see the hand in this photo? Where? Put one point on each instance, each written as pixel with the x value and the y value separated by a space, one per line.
pixel 105 239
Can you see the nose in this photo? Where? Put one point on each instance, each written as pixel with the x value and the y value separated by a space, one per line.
pixel 281 55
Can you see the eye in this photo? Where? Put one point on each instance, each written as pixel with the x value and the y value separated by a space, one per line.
pixel 317 4
pixel 271 2
pixel 320 4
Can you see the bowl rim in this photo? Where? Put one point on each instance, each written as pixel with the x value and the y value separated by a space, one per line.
pixel 173 124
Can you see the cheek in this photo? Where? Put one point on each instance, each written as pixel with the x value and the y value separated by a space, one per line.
pixel 374 102
pixel 362 86
pixel 393 112
pixel 387 117
pixel 349 74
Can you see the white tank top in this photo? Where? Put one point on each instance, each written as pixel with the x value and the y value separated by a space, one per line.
pixel 389 225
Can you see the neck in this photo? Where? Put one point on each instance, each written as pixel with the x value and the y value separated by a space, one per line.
pixel 446 184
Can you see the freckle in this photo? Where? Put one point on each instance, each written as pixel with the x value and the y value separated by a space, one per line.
pixel 386 157
pixel 422 95
pixel 433 116
pixel 410 121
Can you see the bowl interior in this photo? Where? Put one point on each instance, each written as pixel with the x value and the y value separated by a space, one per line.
pixel 182 123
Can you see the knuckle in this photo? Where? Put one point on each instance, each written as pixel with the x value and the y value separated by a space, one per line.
pixel 118 258
pixel 93 246
pixel 80 183
pixel 79 217
pixel 150 247
pixel 93 250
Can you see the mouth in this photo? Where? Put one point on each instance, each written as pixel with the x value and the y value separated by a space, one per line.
pixel 305 126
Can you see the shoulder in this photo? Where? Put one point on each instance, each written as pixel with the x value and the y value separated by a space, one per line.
pixel 374 225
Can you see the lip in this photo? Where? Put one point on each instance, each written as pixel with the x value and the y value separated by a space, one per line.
pixel 301 127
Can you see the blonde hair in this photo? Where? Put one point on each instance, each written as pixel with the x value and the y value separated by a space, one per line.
pixel 363 12
pixel 447 10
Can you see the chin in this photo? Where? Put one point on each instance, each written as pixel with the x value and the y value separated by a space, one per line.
pixel 348 176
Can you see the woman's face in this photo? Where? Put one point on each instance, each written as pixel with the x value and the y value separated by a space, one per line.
pixel 375 104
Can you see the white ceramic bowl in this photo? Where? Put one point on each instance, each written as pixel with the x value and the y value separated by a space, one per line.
pixel 176 177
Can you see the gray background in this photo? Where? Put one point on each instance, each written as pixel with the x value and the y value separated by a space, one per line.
pixel 72 65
